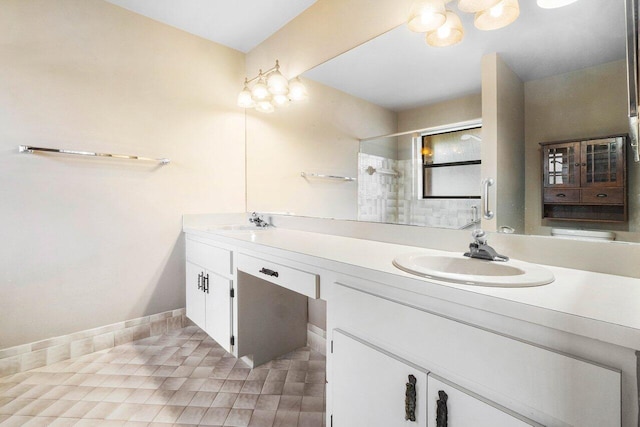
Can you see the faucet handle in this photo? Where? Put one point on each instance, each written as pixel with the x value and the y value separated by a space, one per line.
pixel 479 236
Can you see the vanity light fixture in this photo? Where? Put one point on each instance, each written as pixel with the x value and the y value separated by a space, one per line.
pixel 444 27
pixel 271 89
pixel 552 4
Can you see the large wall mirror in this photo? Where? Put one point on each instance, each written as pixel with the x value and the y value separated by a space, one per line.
pixel 406 120
pixel 572 65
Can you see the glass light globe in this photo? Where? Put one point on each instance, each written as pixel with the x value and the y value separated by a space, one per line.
pixel 265 107
pixel 473 6
pixel 280 100
pixel 297 90
pixel 260 92
pixel 448 34
pixel 277 83
pixel 244 98
pixel 499 16
pixel 426 15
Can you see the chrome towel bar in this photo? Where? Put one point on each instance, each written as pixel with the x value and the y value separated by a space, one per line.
pixel 30 149
pixel 317 175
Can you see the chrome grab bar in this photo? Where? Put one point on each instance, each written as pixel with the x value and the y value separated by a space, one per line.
pixel 486 212
pixel 30 149
pixel 371 170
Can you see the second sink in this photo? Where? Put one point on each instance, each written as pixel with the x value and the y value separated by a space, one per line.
pixel 469 271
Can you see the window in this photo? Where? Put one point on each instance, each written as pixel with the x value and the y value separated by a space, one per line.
pixel 451 164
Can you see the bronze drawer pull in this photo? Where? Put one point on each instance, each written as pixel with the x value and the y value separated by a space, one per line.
pixel 601 195
pixel 561 195
pixel 442 413
pixel 269 272
pixel 410 400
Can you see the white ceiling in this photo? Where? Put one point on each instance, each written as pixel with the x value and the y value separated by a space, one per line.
pixel 239 24
pixel 398 70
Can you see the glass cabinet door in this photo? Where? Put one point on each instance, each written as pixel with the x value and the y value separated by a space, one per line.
pixel 561 165
pixel 602 162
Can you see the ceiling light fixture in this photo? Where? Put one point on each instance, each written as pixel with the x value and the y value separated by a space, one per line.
pixel 271 89
pixel 498 16
pixel 450 33
pixel 552 4
pixel 427 15
pixel 444 27
pixel 473 6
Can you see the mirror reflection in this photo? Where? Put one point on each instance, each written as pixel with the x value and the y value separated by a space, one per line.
pixel 571 67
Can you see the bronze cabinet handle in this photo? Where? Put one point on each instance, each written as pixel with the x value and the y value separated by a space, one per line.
pixel 442 413
pixel 410 400
pixel 561 195
pixel 601 195
pixel 269 272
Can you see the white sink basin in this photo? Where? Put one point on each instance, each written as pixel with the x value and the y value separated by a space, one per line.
pixel 469 271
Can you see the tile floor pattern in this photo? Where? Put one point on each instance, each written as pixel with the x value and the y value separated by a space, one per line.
pixel 180 378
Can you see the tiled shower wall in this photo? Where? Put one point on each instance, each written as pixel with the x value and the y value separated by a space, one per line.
pixel 442 213
pixel 377 194
pixel 383 198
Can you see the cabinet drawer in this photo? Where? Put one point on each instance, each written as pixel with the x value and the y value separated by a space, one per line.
pixel 463 408
pixel 296 280
pixel 212 258
pixel 559 195
pixel 603 196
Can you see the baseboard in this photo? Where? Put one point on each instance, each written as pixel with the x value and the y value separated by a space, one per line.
pixel 46 352
pixel 316 339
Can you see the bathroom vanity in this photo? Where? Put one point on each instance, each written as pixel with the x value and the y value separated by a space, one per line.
pixel 409 350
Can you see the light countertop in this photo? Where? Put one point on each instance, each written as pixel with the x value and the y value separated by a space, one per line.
pixel 600 306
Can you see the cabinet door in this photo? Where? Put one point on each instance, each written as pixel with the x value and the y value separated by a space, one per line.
pixel 602 162
pixel 218 309
pixel 195 297
pixel 449 406
pixel 369 386
pixel 561 163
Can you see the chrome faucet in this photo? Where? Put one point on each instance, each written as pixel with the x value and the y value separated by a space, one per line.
pixel 479 248
pixel 257 220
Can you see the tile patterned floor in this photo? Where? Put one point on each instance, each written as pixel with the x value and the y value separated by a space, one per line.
pixel 179 378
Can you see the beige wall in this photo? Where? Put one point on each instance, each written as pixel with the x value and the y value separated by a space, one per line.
pixel 319 136
pixel 89 242
pixel 584 103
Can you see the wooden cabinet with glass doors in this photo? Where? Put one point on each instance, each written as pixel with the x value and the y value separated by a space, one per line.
pixel 585 180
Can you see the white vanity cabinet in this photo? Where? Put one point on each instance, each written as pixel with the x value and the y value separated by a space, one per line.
pixel 492 371
pixel 371 387
pixel 254 307
pixel 500 362
pixel 209 290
